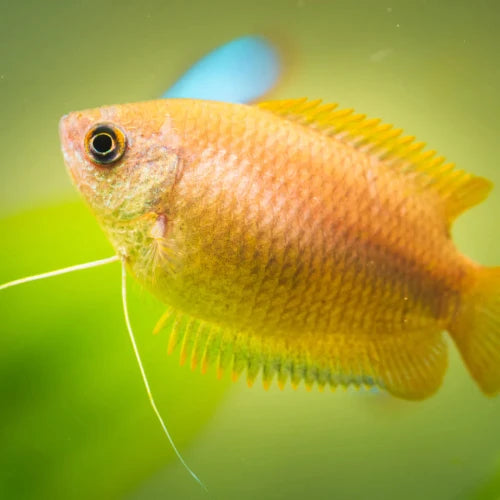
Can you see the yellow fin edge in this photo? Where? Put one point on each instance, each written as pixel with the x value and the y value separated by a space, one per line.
pixel 458 189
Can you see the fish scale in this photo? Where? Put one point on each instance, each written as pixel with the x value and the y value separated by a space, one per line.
pixel 302 243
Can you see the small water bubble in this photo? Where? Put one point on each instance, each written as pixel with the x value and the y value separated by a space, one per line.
pixel 389 10
pixel 380 55
pixel 397 25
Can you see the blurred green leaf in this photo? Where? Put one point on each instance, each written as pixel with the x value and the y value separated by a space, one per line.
pixel 490 490
pixel 75 421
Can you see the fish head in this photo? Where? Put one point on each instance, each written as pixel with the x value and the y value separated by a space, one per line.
pixel 123 159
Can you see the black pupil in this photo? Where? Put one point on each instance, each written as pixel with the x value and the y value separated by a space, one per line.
pixel 102 143
pixel 105 144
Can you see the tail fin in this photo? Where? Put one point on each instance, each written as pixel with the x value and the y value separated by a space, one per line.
pixel 476 330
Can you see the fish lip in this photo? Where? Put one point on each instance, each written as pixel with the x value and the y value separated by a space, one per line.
pixel 63 131
pixel 67 146
pixel 62 120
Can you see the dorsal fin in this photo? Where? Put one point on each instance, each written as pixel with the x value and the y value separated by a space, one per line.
pixel 458 189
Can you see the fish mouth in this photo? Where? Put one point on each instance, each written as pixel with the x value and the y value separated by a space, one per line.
pixel 64 135
pixel 66 146
pixel 70 136
pixel 71 128
pixel 63 127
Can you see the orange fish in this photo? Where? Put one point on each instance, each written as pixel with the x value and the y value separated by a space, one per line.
pixel 292 239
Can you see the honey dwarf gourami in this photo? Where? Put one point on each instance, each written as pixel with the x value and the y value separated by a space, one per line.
pixel 292 239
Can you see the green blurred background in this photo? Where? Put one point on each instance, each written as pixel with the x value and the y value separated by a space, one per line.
pixel 74 419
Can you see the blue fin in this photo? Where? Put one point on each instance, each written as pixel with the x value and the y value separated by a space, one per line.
pixel 240 71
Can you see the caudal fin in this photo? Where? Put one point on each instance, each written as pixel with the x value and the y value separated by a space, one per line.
pixel 476 330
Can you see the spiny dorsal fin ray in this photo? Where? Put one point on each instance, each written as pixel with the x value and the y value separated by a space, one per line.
pixel 457 189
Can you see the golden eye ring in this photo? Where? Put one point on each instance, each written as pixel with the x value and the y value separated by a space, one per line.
pixel 105 144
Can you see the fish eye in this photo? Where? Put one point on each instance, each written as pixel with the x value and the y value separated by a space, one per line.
pixel 105 144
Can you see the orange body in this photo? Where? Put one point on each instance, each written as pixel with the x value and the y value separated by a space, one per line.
pixel 290 238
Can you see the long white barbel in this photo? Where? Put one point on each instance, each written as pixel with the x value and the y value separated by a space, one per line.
pixel 145 379
pixel 58 272
pixel 103 262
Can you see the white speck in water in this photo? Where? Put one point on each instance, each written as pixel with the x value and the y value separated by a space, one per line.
pixel 397 25
pixel 380 55
pixel 389 10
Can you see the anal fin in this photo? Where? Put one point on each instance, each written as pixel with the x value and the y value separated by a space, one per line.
pixel 409 365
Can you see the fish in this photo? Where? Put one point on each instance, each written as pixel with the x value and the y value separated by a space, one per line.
pixel 241 71
pixel 292 239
